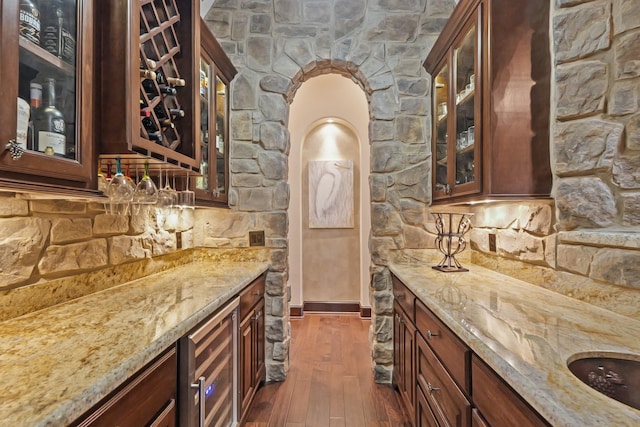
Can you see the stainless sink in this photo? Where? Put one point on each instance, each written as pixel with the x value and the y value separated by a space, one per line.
pixel 617 377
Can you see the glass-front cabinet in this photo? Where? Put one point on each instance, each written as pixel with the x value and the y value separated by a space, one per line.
pixel 216 71
pixel 491 70
pixel 46 69
pixel 456 146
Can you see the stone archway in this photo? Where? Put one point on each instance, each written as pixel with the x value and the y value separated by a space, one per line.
pixel 277 46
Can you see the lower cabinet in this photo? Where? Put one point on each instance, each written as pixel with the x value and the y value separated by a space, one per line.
pixel 251 344
pixel 217 354
pixel 497 402
pixel 147 399
pixel 441 381
pixel 447 402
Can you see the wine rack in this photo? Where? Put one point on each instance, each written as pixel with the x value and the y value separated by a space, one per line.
pixel 158 106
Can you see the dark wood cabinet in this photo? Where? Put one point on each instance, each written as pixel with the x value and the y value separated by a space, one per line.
pixel 404 333
pixel 447 402
pixel 491 71
pixel 440 380
pixel 252 344
pixel 216 72
pixel 42 68
pixel 499 405
pixel 147 399
pixel 148 83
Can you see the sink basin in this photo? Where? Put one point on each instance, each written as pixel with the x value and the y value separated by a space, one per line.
pixel 617 377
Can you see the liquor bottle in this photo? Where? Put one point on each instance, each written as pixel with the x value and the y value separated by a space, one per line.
pixel 49 124
pixel 57 33
pixel 30 21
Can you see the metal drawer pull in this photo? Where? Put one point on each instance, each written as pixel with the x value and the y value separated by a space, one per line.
pixel 432 388
pixel 398 296
pixel 201 408
pixel 15 150
pixel 256 293
pixel 432 334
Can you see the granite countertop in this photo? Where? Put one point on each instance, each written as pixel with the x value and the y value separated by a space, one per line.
pixel 58 362
pixel 528 334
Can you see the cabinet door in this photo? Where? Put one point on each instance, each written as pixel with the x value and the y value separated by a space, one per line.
pixel 457 142
pixel 49 94
pixel 245 379
pixel 404 358
pixel 213 184
pixel 497 402
pixel 258 341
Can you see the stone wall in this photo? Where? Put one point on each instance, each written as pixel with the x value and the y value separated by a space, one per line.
pixel 276 46
pixel 587 245
pixel 48 246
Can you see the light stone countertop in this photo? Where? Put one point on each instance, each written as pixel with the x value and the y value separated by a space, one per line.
pixel 56 363
pixel 527 334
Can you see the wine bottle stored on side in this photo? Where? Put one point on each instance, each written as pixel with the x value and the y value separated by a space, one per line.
pixel 167 90
pixel 148 74
pixel 29 21
pixel 49 124
pixel 157 137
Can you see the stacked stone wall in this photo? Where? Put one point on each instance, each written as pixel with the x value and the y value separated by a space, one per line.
pixel 587 245
pixel 380 45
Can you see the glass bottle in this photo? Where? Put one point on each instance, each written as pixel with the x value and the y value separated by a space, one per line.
pixel 30 21
pixel 57 34
pixel 50 125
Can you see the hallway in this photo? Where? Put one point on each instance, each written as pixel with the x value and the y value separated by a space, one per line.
pixel 330 383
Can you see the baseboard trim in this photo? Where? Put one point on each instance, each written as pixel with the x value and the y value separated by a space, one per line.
pixel 330 307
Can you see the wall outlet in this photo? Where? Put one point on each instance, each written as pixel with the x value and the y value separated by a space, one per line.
pixel 256 238
pixel 492 242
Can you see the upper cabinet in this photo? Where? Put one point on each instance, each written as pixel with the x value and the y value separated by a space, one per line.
pixel 491 80
pixel 46 127
pixel 216 72
pixel 148 83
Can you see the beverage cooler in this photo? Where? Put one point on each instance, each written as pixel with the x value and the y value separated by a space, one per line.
pixel 208 372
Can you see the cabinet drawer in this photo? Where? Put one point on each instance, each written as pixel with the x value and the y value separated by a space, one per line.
pixel 404 297
pixel 497 402
pixel 251 295
pixel 448 403
pixel 445 344
pixel 151 392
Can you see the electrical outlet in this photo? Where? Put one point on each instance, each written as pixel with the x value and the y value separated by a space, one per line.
pixel 256 238
pixel 492 242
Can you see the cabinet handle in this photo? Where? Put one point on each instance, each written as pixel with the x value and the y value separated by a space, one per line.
pixel 432 388
pixel 447 189
pixel 432 334
pixel 15 150
pixel 398 296
pixel 256 293
pixel 257 316
pixel 200 386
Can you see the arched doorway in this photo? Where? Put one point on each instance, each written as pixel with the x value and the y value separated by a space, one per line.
pixel 329 265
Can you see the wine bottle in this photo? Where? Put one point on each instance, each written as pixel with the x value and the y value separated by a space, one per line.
pixel 49 124
pixel 157 137
pixel 176 112
pixel 151 63
pixel 171 81
pixel 145 112
pixel 167 90
pixel 148 74
pixel 29 21
pixel 35 103
pixel 149 125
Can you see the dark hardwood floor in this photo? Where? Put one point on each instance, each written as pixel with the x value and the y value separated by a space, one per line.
pixel 330 381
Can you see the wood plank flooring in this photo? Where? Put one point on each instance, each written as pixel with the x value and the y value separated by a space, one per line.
pixel 330 381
